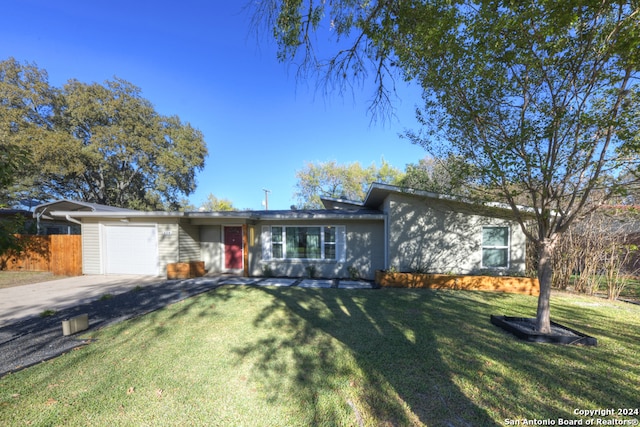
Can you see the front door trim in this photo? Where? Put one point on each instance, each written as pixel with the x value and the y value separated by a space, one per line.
pixel 239 263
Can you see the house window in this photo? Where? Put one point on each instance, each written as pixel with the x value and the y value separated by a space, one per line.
pixel 495 247
pixel 276 242
pixel 329 242
pixel 315 242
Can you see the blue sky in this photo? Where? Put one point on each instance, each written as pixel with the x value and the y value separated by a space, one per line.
pixel 199 60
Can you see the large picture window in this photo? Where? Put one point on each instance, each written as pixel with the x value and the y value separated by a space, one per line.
pixel 303 242
pixel 309 242
pixel 495 247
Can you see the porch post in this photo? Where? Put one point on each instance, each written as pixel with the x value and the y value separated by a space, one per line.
pixel 245 250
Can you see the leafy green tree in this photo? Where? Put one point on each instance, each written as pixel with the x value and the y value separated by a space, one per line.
pixel 540 96
pixel 19 106
pixel 98 143
pixel 451 176
pixel 215 204
pixel 126 154
pixel 26 122
pixel 12 161
pixel 333 180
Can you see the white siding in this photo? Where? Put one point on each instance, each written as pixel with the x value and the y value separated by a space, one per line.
pixel 266 242
pixel 91 259
pixel 211 248
pixel 189 240
pixel 168 239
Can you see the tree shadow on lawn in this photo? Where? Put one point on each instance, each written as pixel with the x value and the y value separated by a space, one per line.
pixel 399 376
pixel 119 366
pixel 609 373
pixel 387 357
pixel 426 357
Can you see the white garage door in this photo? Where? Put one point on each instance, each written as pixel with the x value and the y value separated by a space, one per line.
pixel 131 250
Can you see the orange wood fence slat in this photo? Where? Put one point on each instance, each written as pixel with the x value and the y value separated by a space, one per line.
pixel 59 254
pixel 66 255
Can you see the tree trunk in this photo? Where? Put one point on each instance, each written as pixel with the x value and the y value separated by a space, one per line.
pixel 545 273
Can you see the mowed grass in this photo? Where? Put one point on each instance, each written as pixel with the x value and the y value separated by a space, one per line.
pixel 247 356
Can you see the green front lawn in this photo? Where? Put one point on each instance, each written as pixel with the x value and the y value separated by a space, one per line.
pixel 245 356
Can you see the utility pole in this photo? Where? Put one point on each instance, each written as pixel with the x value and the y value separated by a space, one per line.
pixel 266 198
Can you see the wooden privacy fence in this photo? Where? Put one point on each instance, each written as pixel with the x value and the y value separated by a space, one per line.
pixel 59 254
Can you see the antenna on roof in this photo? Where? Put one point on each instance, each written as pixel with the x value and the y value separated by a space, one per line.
pixel 266 198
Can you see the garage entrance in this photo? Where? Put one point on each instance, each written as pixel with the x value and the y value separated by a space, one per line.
pixel 131 249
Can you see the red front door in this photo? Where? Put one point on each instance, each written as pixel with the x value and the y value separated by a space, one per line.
pixel 233 248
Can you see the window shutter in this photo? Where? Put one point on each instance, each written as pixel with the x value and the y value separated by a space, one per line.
pixel 341 243
pixel 266 242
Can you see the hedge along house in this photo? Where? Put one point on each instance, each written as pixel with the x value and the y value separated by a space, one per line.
pixel 393 227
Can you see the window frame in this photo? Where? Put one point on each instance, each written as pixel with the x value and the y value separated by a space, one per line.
pixel 280 243
pixel 283 242
pixel 507 247
pixel 338 242
pixel 324 243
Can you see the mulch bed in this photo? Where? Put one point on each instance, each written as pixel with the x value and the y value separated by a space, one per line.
pixel 525 329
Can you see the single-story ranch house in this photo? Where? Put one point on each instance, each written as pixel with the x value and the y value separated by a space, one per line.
pixel 393 228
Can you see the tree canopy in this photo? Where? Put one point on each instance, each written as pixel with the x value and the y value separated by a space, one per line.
pixel 216 204
pixel 540 96
pixel 340 181
pixel 12 161
pixel 451 176
pixel 102 143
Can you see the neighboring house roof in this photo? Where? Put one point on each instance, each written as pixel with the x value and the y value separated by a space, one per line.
pixel 9 213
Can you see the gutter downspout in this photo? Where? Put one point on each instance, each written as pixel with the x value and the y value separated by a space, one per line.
pixel 386 240
pixel 75 221
pixel 38 215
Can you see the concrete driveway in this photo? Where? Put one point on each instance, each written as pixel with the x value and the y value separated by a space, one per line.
pixel 19 302
pixel 27 339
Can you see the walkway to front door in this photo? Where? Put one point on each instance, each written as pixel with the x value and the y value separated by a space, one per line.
pixel 288 282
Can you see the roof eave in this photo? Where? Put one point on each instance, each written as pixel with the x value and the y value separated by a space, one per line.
pixel 378 192
pixel 337 203
pixel 249 215
pixel 116 215
pixel 325 216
